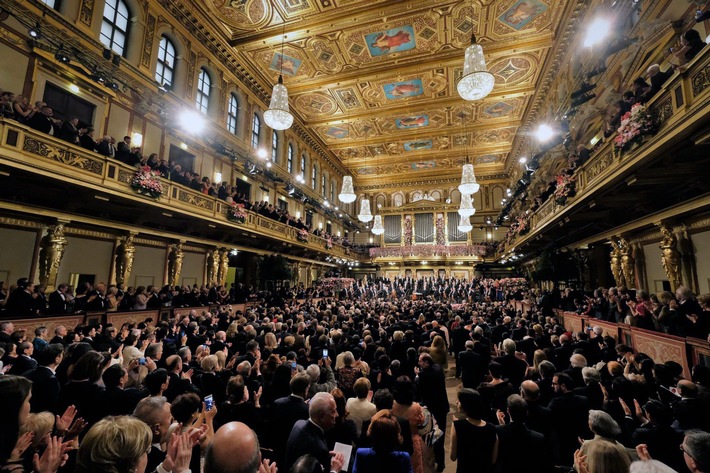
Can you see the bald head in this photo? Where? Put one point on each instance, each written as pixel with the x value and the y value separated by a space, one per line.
pixel 234 449
pixel 530 390
pixel 687 388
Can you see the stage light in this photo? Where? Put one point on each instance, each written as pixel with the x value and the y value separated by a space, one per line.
pixel 74 88
pixel 597 31
pixel 261 153
pixel 544 133
pixel 523 160
pixel 191 121
pixel 35 32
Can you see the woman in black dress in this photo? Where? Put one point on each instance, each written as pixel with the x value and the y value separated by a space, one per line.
pixel 474 442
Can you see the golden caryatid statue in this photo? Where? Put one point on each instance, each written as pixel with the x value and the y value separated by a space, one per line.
pixel 212 266
pixel 124 259
pixel 615 261
pixel 627 263
pixel 51 251
pixel 223 266
pixel 175 264
pixel 670 258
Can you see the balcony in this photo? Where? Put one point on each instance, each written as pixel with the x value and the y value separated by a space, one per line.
pixel 50 177
pixel 665 172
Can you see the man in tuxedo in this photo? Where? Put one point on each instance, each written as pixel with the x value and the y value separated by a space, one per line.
pixel 569 415
pixel 115 400
pixel 24 361
pixel 96 299
pixel 286 412
pixel 538 416
pixel 123 149
pixel 43 121
pixel 60 333
pixel 45 385
pixel 180 383
pixel 70 130
pixel 472 368
pixel 521 449
pixel 308 436
pixel 106 148
pixel 58 301
pixel 513 367
pixel 6 329
pixel 431 390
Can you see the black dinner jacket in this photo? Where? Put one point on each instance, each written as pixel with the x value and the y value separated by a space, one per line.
pixel 45 389
pixel 307 438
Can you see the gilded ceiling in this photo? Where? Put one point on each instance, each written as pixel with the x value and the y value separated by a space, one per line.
pixel 375 80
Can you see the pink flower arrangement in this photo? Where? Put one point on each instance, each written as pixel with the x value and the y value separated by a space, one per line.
pixel 302 235
pixel 428 250
pixel 440 231
pixel 634 125
pixel 235 213
pixel 565 188
pixel 146 181
pixel 329 243
pixel 408 230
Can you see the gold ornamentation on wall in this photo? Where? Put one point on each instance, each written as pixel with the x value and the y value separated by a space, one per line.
pixel 627 263
pixel 223 266
pixel 124 259
pixel 670 258
pixel 148 42
pixel 175 258
pixel 615 262
pixel 86 12
pixel 62 156
pixel 51 251
pixel 212 266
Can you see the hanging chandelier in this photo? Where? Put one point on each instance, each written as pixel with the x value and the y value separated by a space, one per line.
pixel 377 227
pixel 469 185
pixel 365 215
pixel 466 208
pixel 465 224
pixel 278 115
pixel 476 82
pixel 347 192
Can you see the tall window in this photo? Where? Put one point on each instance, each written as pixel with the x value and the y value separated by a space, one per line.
pixel 274 147
pixel 289 160
pixel 303 167
pixel 323 187
pixel 54 4
pixel 332 191
pixel 165 69
pixel 114 28
pixel 204 84
pixel 255 131
pixel 314 177
pixel 232 114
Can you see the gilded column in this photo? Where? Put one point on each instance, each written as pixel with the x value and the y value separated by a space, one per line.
pixel 627 263
pixel 51 251
pixel 212 266
pixel 175 258
pixel 615 262
pixel 670 257
pixel 223 266
pixel 125 252
pixel 687 255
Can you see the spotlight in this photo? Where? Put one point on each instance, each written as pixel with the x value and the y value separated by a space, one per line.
pixel 268 164
pixel 192 121
pixel 113 86
pixel 35 32
pixel 544 133
pixel 233 252
pixel 596 72
pixel 107 54
pixel 61 57
pixel 523 160
pixel 261 153
pixel 4 14
pixel 597 31
pixel 116 60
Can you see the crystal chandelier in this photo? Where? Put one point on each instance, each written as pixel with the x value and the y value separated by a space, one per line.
pixel 377 227
pixel 468 185
pixel 466 209
pixel 476 82
pixel 347 192
pixel 465 224
pixel 365 215
pixel 278 116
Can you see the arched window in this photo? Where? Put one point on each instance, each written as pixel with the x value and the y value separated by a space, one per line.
pixel 289 160
pixel 54 4
pixel 114 28
pixel 255 131
pixel 274 147
pixel 232 114
pixel 165 69
pixel 204 84
pixel 314 176
pixel 332 191
pixel 303 167
pixel 323 186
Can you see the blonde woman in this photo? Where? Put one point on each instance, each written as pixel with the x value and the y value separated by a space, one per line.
pixel 438 352
pixel 533 371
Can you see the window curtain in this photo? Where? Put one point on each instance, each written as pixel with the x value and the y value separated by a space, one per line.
pixel 393 228
pixel 453 227
pixel 424 228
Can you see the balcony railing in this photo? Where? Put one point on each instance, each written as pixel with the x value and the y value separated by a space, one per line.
pixel 684 99
pixel 429 251
pixel 25 148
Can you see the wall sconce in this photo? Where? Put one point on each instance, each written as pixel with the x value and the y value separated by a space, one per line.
pixel 136 139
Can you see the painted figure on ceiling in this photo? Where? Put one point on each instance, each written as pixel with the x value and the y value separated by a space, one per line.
pixel 384 42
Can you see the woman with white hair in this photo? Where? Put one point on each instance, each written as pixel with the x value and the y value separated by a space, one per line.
pixel 605 429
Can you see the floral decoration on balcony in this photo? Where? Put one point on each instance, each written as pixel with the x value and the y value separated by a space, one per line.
pixel 302 235
pixel 512 282
pixel 235 213
pixel 440 231
pixel 147 182
pixel 329 243
pixel 408 230
pixel 520 226
pixel 428 250
pixel 566 187
pixel 634 124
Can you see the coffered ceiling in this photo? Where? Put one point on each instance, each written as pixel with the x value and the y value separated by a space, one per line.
pixel 375 80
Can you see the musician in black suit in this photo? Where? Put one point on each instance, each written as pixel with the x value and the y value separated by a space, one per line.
pixel 308 436
pixel 45 385
pixel 286 411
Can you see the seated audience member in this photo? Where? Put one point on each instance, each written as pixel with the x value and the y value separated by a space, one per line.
pixel 386 438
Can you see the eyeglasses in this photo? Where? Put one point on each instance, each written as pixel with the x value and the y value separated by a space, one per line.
pixel 682 449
